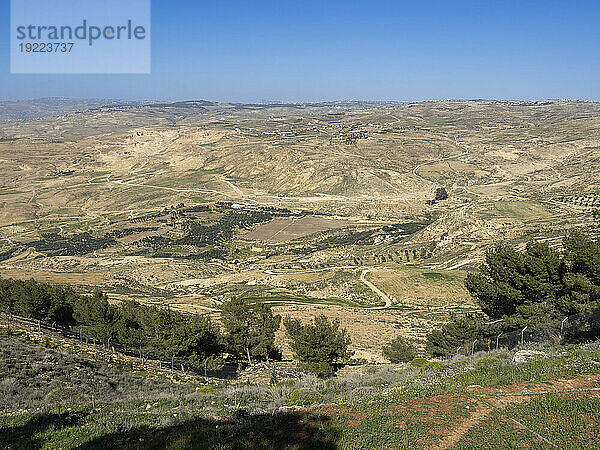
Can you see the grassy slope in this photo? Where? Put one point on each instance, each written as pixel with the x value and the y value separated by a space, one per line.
pixel 47 404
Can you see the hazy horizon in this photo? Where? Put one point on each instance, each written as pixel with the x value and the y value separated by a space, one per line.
pixel 267 102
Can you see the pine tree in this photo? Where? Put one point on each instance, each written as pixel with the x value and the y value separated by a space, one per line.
pixel 319 345
pixel 250 329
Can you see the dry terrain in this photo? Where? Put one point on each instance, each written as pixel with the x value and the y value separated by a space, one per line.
pixel 314 208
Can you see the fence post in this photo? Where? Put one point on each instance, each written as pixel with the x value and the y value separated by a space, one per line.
pixel 523 335
pixel 562 324
pixel 497 339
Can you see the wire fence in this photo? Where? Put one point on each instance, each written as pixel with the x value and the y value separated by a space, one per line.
pixel 574 328
pixel 206 367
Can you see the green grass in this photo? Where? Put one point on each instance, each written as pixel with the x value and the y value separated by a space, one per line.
pixel 522 210
pixel 415 405
pixel 568 421
pixel 438 276
pixel 279 297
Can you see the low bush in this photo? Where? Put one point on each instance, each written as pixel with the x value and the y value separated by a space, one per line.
pixel 305 397
pixel 400 350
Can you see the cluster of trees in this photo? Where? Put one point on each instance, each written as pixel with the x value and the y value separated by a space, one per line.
pixel 76 244
pixel 250 333
pixel 536 287
pixel 201 234
pixel 160 332
pixel 540 283
pixel 440 194
pixel 248 329
pixel 42 301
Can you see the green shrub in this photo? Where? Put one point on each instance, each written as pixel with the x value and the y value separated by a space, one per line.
pixel 435 365
pixel 487 363
pixel 400 350
pixel 319 345
pixel 305 397
pixel 419 362
pixel 206 390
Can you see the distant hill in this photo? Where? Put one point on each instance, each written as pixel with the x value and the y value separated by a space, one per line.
pixel 52 106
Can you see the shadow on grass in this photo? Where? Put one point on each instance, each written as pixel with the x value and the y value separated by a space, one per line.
pixel 265 431
pixel 23 436
pixel 261 431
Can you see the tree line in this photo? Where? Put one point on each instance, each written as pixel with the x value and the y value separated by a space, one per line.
pixel 160 332
pixel 247 332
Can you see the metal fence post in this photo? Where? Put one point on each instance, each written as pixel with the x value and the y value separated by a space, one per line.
pixel 523 335
pixel 497 339
pixel 562 324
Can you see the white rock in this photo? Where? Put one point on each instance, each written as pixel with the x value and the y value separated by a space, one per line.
pixel 527 355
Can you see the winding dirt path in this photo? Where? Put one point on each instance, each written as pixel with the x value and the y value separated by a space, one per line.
pixel 385 298
pixel 363 279
pixel 478 416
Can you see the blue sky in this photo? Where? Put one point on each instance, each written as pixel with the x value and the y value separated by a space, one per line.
pixel 245 51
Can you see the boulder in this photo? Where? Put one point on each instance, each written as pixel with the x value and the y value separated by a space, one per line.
pixel 527 355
